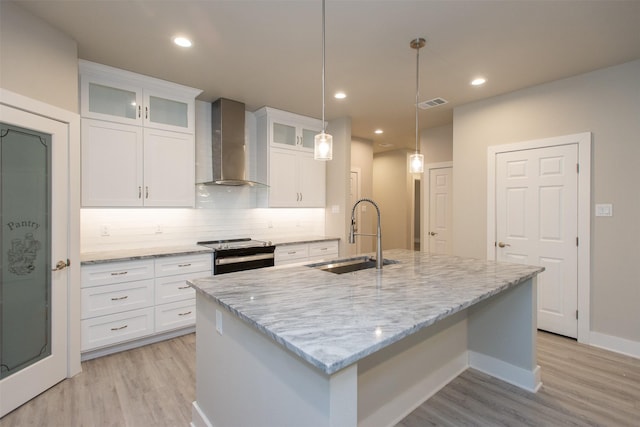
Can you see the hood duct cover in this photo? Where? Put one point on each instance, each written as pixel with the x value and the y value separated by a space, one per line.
pixel 228 144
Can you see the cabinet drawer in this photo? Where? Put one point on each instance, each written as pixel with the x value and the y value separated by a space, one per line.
pixel 175 288
pixel 115 272
pixel 116 328
pixel 323 249
pixel 109 299
pixel 175 315
pixel 291 253
pixel 197 263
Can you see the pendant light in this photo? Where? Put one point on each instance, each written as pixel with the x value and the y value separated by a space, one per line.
pixel 323 142
pixel 416 161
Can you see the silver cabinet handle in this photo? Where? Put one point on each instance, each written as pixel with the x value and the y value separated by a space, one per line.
pixel 61 265
pixel 120 328
pixel 502 244
pixel 119 273
pixel 146 112
pixel 139 111
pixel 300 196
pixel 146 192
pixel 184 287
pixel 184 314
pixel 119 298
pixel 184 265
pixel 433 233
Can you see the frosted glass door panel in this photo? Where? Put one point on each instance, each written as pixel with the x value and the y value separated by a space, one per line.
pixel 168 112
pixel 25 247
pixel 284 134
pixel 113 101
pixel 308 138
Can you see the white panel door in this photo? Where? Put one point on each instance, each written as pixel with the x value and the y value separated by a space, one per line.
pixel 111 164
pixel 311 175
pixel 440 210
pixel 169 168
pixel 536 224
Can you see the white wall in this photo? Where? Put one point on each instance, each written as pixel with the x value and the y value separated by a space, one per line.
pixel 38 61
pixel 605 102
pixel 362 158
pixel 393 191
pixel 436 144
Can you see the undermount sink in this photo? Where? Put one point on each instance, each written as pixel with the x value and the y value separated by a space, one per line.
pixel 349 265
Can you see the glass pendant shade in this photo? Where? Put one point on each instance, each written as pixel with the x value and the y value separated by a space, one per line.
pixel 416 163
pixel 323 146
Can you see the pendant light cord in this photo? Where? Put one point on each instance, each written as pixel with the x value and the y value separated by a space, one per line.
pixel 323 122
pixel 417 87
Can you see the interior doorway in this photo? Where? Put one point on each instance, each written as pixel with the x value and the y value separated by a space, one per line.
pixel 437 234
pixel 538 213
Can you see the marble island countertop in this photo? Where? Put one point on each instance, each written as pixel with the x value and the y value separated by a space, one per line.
pixel 332 321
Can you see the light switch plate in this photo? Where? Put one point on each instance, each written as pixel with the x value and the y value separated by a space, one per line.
pixel 604 209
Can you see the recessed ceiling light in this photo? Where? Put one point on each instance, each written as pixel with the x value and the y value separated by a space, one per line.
pixel 379 131
pixel 340 95
pixel 479 81
pixel 182 41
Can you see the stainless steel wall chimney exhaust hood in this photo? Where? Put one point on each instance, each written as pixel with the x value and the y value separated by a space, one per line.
pixel 226 164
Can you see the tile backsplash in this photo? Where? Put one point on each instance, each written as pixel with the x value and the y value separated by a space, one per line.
pixel 220 213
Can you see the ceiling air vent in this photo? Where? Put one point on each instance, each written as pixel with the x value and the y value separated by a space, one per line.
pixel 435 102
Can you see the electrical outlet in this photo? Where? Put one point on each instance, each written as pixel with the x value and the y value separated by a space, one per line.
pixel 105 231
pixel 219 321
pixel 159 229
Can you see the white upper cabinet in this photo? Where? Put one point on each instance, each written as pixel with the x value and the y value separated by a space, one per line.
pixel 107 93
pixel 138 144
pixel 295 179
pixel 289 130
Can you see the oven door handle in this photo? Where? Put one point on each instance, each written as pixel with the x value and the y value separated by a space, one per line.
pixel 239 259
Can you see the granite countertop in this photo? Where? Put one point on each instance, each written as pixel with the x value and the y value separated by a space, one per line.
pixel 332 321
pixel 297 240
pixel 140 253
pixel 154 252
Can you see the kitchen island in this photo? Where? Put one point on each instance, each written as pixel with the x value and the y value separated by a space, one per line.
pixel 298 346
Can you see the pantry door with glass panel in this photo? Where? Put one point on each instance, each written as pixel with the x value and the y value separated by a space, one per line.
pixel 537 224
pixel 34 250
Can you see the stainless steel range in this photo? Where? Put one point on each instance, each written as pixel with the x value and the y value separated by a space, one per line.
pixel 240 254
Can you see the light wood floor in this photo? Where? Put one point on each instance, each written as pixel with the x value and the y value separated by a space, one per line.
pixel 154 386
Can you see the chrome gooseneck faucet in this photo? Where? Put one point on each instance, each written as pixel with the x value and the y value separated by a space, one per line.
pixel 353 234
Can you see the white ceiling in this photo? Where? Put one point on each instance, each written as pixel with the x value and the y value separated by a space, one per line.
pixel 267 52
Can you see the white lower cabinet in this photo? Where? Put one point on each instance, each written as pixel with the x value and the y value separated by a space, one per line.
pixel 127 301
pixel 116 328
pixel 175 315
pixel 299 252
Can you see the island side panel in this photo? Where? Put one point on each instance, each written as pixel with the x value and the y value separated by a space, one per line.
pixel 243 378
pixel 502 336
pixel 397 379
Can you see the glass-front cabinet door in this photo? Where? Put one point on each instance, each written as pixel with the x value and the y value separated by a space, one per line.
pixel 284 134
pixel 104 100
pixel 308 138
pixel 164 111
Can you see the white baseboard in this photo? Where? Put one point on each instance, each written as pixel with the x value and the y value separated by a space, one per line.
pixel 128 345
pixel 520 377
pixel 616 344
pixel 198 418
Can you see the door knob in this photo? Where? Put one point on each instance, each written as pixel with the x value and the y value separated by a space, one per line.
pixel 502 244
pixel 61 265
pixel 432 233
